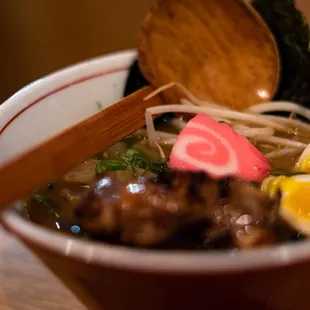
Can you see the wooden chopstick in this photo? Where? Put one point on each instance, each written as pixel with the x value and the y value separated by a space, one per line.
pixel 53 158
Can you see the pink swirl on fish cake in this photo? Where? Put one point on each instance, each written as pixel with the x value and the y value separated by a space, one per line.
pixel 206 145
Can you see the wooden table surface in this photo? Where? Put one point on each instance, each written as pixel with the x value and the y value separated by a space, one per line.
pixel 25 284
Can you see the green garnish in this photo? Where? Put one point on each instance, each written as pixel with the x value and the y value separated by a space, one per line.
pixel 110 165
pixel 140 162
pixel 139 165
pixel 133 158
pixel 131 153
pixel 158 167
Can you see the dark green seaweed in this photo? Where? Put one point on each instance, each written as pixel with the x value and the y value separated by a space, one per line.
pixel 135 79
pixel 293 36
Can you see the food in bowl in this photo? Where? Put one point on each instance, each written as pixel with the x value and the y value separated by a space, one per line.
pixel 220 179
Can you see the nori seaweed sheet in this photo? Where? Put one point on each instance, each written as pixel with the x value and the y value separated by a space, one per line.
pixel 292 36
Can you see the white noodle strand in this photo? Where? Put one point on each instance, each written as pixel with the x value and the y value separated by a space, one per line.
pixel 253 132
pixel 280 107
pixel 161 152
pixel 284 152
pixel 252 116
pixel 187 93
pixel 257 119
pixel 282 141
pixel 289 122
pixel 150 128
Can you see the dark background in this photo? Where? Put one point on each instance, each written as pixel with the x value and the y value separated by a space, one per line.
pixel 41 36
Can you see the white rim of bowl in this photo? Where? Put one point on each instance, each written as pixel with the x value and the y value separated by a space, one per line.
pixel 145 260
pixel 167 261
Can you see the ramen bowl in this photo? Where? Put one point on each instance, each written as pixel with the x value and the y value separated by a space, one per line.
pixel 118 278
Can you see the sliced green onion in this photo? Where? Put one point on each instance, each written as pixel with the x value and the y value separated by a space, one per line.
pixel 110 165
pixel 140 162
pixel 134 158
pixel 129 154
pixel 157 167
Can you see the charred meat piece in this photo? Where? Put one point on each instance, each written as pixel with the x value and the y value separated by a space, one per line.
pixel 149 211
pixel 248 214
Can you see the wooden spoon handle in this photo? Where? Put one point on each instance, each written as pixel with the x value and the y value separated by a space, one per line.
pixel 53 158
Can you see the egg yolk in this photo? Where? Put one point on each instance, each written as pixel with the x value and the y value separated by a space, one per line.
pixel 305 166
pixel 298 200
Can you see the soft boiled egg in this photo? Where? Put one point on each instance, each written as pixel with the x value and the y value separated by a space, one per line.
pixel 271 184
pixel 303 164
pixel 295 200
